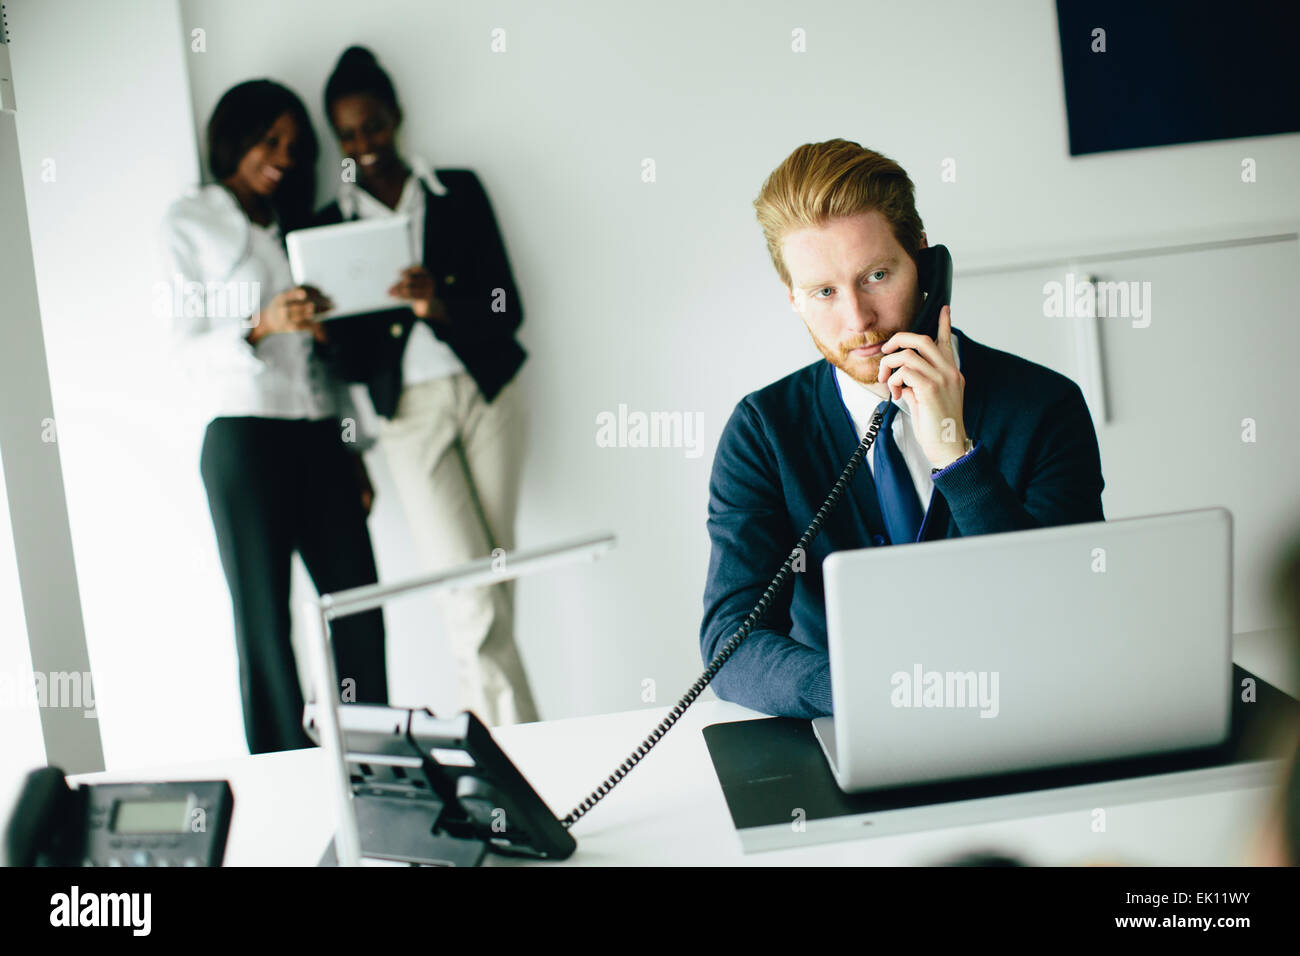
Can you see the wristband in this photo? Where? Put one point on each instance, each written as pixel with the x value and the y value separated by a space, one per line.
pixel 970 446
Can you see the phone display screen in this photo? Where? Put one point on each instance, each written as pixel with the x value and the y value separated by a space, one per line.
pixel 150 816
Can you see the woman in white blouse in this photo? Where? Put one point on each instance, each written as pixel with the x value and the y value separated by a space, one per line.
pixel 275 465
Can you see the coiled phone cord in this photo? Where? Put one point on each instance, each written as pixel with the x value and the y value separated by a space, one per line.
pixel 755 616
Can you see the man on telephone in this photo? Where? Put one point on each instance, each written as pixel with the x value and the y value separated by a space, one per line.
pixel 973 440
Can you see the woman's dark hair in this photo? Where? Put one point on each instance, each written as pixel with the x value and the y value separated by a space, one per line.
pixel 357 71
pixel 242 117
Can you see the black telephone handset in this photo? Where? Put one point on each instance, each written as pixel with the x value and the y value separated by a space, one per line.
pixel 118 824
pixel 934 277
pixel 42 828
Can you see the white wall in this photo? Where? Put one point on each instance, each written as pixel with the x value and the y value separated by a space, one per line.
pixel 104 125
pixel 1202 399
pixel 655 295
pixel 660 295
pixel 46 692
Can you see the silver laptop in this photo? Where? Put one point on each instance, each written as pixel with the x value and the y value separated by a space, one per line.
pixel 1030 649
pixel 353 263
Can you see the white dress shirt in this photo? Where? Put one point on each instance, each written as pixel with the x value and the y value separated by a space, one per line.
pixel 426 356
pixel 861 403
pixel 222 268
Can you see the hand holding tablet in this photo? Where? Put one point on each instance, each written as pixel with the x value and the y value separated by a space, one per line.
pixel 416 287
pixel 353 263
pixel 294 310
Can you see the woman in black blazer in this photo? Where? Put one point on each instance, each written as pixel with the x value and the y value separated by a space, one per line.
pixel 441 370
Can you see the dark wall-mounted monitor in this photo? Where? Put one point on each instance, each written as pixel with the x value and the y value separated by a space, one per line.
pixel 1178 71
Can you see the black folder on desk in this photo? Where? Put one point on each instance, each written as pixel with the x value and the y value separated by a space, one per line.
pixel 774 775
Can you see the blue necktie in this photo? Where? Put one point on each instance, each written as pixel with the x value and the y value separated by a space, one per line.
pixel 899 504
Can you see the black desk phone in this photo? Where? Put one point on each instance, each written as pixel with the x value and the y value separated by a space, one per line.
pixel 118 824
pixel 438 791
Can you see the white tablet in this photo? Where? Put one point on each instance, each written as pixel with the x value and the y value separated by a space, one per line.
pixel 353 263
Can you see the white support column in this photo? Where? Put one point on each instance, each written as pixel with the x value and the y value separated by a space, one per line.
pixel 34 480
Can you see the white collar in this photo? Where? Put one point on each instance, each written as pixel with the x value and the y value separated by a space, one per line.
pixel 420 169
pixel 862 401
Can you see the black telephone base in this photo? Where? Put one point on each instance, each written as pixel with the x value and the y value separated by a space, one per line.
pixel 442 851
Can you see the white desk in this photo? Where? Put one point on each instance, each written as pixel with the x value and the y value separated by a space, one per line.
pixel 670 809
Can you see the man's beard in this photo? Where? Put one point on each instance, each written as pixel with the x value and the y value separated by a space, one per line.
pixel 862 370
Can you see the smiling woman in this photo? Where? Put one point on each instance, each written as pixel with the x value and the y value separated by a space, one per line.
pixel 441 368
pixel 262 147
pixel 278 475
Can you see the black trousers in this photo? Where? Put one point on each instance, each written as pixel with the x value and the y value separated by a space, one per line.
pixel 277 486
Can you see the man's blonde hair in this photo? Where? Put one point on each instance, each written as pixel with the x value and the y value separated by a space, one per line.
pixel 819 182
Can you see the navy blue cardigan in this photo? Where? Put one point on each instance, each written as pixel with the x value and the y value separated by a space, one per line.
pixel 1036 464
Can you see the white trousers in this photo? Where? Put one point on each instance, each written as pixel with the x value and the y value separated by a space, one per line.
pixel 456 461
